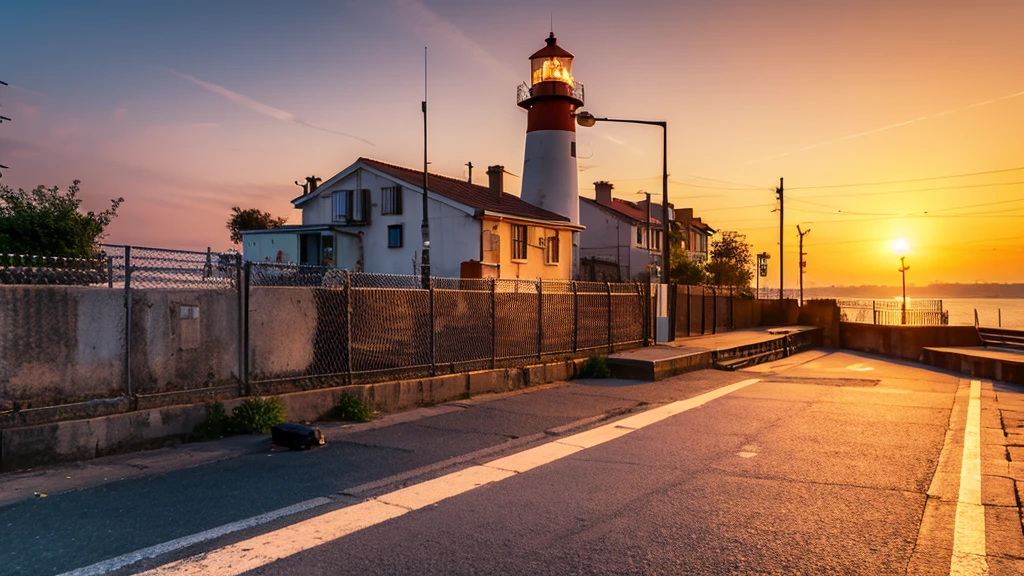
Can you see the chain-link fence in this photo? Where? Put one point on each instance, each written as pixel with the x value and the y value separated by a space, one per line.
pixel 703 310
pixel 361 324
pixel 892 312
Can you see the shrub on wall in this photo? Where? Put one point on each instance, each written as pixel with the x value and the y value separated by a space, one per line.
pixel 256 416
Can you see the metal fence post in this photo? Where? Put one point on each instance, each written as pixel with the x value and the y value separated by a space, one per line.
pixel 575 317
pixel 128 319
pixel 243 304
pixel 494 322
pixel 874 313
pixel 645 295
pixel 110 272
pixel 608 287
pixel 246 284
pixel 714 311
pixel 430 293
pixel 540 319
pixel 732 308
pixel 208 269
pixel 348 325
pixel 703 309
pixel 689 303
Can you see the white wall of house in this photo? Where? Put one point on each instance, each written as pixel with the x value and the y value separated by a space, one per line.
pixel 454 231
pixel 264 247
pixel 612 239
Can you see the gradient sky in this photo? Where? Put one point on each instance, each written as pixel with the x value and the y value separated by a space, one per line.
pixel 189 108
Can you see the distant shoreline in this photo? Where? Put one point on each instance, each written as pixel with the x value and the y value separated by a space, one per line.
pixel 1004 291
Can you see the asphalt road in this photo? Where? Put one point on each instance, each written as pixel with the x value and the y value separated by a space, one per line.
pixel 823 466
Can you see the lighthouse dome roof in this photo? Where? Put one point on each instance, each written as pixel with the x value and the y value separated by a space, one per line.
pixel 552 50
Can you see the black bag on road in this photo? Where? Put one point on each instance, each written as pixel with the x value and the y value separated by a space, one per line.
pixel 296 436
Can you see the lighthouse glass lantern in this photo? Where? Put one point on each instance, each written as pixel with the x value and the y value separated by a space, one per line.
pixel 551 63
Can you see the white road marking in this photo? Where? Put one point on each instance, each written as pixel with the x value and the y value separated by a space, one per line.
pixel 261 550
pixel 160 549
pixel 969 535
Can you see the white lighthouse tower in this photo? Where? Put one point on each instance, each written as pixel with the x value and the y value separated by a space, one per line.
pixel 549 168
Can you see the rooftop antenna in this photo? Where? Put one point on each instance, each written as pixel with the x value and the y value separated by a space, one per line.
pixel 425 226
pixel 552 21
pixel 2 118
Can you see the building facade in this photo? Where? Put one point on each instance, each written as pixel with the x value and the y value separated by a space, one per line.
pixel 368 218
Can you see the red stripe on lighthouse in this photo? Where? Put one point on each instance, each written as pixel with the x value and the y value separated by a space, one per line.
pixel 551 114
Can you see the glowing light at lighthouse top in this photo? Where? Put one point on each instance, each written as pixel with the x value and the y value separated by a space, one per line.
pixel 552 62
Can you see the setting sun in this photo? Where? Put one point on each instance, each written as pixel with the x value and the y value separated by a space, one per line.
pixel 900 246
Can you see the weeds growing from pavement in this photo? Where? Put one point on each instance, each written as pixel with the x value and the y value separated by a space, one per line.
pixel 353 409
pixel 595 367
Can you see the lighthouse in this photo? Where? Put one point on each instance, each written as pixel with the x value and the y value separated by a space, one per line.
pixel 549 167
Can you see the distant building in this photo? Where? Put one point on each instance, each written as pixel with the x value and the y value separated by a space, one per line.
pixel 617 234
pixel 617 241
pixel 368 217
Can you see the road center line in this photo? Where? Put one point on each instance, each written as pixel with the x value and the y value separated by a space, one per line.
pixel 266 548
pixel 969 534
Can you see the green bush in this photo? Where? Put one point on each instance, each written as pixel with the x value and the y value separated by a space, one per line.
pixel 215 425
pixel 256 416
pixel 353 409
pixel 595 367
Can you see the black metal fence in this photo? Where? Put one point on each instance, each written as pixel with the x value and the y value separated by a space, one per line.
pixel 891 312
pixel 376 323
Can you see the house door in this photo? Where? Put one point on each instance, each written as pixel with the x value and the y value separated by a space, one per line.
pixel 309 249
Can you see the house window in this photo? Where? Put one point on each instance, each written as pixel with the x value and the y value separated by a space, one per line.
pixel 340 203
pixel 551 250
pixel 519 242
pixel 657 240
pixel 351 206
pixel 639 236
pixel 391 200
pixel 395 236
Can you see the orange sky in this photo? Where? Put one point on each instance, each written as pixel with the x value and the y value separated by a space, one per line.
pixel 187 112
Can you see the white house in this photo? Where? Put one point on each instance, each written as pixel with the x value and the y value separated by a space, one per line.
pixel 616 237
pixel 368 218
pixel 618 242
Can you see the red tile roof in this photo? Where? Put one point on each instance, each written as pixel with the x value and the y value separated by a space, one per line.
pixel 624 208
pixel 479 197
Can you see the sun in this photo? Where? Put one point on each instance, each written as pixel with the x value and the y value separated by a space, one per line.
pixel 900 246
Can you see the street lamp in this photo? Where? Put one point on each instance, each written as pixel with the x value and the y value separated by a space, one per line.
pixel 901 247
pixel 586 119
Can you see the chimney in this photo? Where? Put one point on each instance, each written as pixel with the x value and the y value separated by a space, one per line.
pixel 604 192
pixel 312 182
pixel 684 214
pixel 496 179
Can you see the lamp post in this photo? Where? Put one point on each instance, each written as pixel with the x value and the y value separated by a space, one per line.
pixel 903 271
pixel 586 119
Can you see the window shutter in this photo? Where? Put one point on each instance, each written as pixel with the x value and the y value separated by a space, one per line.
pixel 367 200
pixel 398 199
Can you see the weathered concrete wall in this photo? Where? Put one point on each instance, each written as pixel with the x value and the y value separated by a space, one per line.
pixel 70 440
pixel 282 327
pixel 906 342
pixel 752 313
pixel 823 314
pixel 184 339
pixel 60 344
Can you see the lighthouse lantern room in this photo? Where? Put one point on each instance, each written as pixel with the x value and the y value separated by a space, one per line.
pixel 549 166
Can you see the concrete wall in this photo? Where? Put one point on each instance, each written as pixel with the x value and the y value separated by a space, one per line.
pixel 823 314
pixel 173 353
pixel 60 344
pixel 906 342
pixel 282 326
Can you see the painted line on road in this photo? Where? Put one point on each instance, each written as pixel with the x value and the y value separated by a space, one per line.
pixel 969 533
pixel 119 562
pixel 261 550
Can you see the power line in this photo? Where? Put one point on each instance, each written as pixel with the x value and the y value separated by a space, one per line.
pixel 887 192
pixel 909 179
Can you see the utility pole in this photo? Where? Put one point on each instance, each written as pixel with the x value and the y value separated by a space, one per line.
pixel 803 263
pixel 425 227
pixel 778 192
pixel 2 118
pixel 650 269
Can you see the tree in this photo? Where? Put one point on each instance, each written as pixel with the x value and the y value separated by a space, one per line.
pixel 730 262
pixel 250 219
pixel 49 222
pixel 682 270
